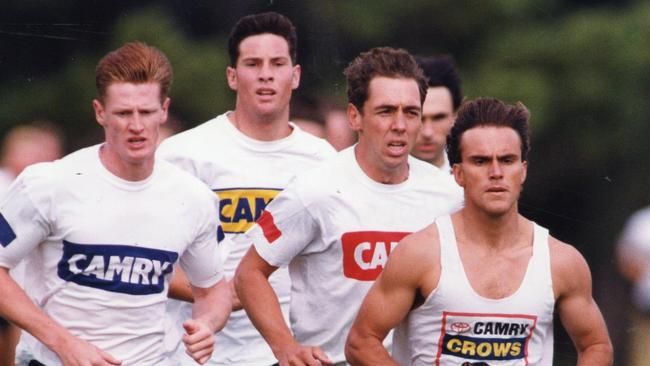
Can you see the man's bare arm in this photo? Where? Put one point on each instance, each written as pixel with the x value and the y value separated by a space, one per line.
pixel 263 308
pixel 16 307
pixel 576 307
pixel 210 312
pixel 391 298
pixel 179 286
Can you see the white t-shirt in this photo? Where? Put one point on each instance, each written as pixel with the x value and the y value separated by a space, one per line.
pixel 335 228
pixel 246 174
pixel 635 240
pixel 103 249
pixel 457 326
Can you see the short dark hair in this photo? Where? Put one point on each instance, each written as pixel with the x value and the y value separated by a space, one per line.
pixel 134 62
pixel 441 71
pixel 252 25
pixel 381 61
pixel 489 112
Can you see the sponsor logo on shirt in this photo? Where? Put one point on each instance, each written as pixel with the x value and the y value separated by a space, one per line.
pixel 117 268
pixel 239 208
pixel 7 234
pixel 482 339
pixel 365 252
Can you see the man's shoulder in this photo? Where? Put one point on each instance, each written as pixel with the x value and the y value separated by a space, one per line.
pixel 569 267
pixel 175 177
pixel 76 163
pixel 314 144
pixel 433 180
pixel 204 133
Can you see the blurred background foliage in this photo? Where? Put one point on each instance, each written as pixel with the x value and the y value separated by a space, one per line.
pixel 581 67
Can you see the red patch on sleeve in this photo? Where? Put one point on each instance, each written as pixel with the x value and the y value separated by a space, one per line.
pixel 270 231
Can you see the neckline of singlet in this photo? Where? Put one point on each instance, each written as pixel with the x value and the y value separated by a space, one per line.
pixel 449 245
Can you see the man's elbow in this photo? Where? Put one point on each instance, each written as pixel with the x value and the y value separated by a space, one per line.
pixel 251 271
pixel 353 347
pixel 607 351
pixel 244 276
pixel 601 354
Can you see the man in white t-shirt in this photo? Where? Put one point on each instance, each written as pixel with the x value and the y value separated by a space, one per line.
pixel 438 110
pixel 104 227
pixel 633 260
pixel 24 145
pixel 480 287
pixel 336 225
pixel 247 156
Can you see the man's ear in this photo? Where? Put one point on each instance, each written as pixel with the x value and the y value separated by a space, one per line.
pixel 231 76
pixel 295 77
pixel 100 113
pixel 165 109
pixel 355 118
pixel 457 170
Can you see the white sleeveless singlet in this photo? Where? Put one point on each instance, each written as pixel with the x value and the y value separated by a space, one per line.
pixel 457 326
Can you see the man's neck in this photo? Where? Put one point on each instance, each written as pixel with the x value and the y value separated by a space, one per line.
pixel 373 169
pixel 495 231
pixel 261 128
pixel 123 169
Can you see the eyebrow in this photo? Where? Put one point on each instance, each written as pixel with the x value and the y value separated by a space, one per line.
pixel 273 58
pixel 393 107
pixel 489 157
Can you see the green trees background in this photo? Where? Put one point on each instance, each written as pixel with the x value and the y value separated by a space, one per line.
pixel 582 68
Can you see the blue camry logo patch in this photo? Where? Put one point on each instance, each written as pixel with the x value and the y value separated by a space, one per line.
pixel 116 268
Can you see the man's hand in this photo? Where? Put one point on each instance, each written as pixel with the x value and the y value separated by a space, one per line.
pixel 77 352
pixel 299 355
pixel 199 341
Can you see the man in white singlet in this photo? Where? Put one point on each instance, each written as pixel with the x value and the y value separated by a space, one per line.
pixel 102 229
pixel 336 225
pixel 480 287
pixel 247 156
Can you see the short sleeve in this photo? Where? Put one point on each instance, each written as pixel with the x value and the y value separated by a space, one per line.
pixel 23 225
pixel 284 229
pixel 173 151
pixel 202 261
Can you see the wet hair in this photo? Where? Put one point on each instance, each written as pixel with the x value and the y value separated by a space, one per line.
pixel 441 71
pixel 489 112
pixel 252 25
pixel 135 62
pixel 381 61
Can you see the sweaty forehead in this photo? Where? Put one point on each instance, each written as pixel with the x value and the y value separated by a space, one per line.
pixel 490 140
pixel 384 90
pixel 263 45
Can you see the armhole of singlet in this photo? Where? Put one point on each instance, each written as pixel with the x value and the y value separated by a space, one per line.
pixel 446 240
pixel 542 252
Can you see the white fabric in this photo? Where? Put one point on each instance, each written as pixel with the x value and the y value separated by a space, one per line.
pixel 246 174
pixel 455 325
pixel 635 240
pixel 335 228
pixel 103 249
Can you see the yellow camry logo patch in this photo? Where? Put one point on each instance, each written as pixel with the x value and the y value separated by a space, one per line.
pixel 239 208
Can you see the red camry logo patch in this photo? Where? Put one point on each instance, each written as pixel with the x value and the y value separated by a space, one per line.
pixel 365 252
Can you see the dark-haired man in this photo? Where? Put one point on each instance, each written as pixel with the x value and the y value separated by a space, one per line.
pixel 336 225
pixel 104 227
pixel 438 110
pixel 481 286
pixel 247 156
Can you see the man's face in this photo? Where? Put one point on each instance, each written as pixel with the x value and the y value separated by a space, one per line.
pixel 491 170
pixel 437 119
pixel 131 115
pixel 387 127
pixel 264 76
